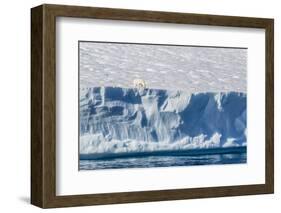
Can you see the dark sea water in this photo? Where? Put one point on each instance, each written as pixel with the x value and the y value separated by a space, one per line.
pixel 163 161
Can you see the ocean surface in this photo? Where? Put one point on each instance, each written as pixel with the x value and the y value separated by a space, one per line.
pixel 162 161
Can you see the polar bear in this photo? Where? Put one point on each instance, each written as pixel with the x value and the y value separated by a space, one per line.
pixel 139 83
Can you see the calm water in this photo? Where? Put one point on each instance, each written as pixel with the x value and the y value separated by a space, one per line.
pixel 162 161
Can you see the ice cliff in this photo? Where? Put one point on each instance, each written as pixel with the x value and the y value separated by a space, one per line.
pixel 117 120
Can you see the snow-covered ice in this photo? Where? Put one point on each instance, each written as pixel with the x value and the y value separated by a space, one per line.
pixel 187 68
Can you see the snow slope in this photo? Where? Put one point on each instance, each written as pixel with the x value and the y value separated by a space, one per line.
pixel 192 68
pixel 123 120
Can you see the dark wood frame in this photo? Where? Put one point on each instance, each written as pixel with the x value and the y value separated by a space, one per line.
pixel 43 105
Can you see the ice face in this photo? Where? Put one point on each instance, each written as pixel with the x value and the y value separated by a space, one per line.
pixel 115 119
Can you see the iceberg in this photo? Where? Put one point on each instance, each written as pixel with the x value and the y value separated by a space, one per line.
pixel 115 120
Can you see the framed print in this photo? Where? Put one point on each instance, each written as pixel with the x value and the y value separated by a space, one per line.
pixel 136 106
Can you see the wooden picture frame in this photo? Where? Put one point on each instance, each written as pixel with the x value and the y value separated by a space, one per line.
pixel 43 105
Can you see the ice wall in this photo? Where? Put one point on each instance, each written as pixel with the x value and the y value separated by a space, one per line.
pixel 114 119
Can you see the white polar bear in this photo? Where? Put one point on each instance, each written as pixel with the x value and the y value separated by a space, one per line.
pixel 139 83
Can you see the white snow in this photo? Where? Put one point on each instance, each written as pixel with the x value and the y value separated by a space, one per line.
pixel 188 68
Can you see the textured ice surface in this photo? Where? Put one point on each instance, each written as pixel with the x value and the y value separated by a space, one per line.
pixel 122 120
pixel 187 68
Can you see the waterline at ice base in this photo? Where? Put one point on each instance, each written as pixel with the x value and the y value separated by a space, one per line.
pixel 142 128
